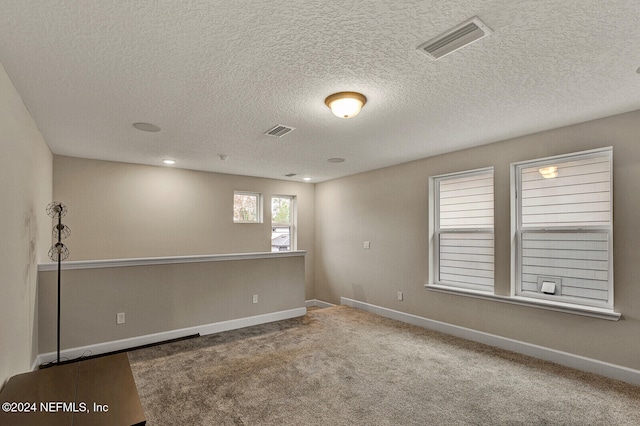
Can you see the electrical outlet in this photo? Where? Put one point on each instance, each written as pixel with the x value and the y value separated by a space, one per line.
pixel 400 295
pixel 255 298
pixel 367 245
pixel 120 318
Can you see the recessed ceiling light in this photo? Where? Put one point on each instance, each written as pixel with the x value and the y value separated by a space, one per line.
pixel 306 179
pixel 336 160
pixel 167 161
pixel 223 157
pixel 146 127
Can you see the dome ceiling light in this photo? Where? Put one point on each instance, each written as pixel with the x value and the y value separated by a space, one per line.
pixel 345 104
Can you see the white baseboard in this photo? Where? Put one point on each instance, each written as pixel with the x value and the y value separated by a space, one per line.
pixel 578 362
pixel 218 327
pixel 317 303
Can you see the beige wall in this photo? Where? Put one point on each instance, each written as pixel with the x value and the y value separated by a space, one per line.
pixel 25 191
pixel 389 208
pixel 161 298
pixel 119 210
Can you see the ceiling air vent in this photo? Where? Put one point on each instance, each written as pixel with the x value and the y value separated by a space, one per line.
pixel 279 131
pixel 450 41
pixel 291 174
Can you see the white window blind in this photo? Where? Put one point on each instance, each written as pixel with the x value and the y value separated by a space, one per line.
pixel 464 255
pixel 580 194
pixel 565 228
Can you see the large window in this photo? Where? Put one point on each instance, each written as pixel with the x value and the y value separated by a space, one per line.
pixel 463 230
pixel 283 233
pixel 564 228
pixel 247 207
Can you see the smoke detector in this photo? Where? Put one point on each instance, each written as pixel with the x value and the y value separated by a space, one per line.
pixel 456 38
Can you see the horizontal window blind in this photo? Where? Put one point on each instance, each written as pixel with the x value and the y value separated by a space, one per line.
pixel 467 260
pixel 578 196
pixel 580 259
pixel 565 228
pixel 466 202
pixel 464 222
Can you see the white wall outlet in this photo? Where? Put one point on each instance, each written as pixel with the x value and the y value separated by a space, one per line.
pixel 367 245
pixel 400 295
pixel 120 318
pixel 255 298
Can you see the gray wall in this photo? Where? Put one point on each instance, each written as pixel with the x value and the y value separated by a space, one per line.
pixel 119 210
pixel 160 298
pixel 25 191
pixel 389 208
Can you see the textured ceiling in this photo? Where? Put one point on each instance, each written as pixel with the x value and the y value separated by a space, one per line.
pixel 215 75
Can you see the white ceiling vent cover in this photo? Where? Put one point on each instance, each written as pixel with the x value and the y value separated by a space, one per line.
pixel 279 131
pixel 458 37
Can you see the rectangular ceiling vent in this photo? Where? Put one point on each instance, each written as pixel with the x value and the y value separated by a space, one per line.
pixel 458 37
pixel 279 131
pixel 291 174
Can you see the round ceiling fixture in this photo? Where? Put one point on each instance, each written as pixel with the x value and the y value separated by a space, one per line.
pixel 169 161
pixel 336 160
pixel 345 104
pixel 146 127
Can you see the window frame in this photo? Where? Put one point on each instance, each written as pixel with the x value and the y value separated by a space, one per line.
pixel 436 231
pixel 518 230
pixel 259 207
pixel 292 224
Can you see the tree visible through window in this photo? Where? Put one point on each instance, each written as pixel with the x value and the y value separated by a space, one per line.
pixel 246 207
pixel 282 228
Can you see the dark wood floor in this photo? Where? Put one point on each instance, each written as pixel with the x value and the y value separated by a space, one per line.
pixel 98 391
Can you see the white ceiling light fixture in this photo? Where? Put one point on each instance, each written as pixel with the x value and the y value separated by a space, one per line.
pixel 345 104
pixel 306 179
pixel 549 172
pixel 169 161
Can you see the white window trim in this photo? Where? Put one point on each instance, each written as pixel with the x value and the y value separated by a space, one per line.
pixel 293 225
pixel 259 213
pixel 549 305
pixel 563 303
pixel 434 256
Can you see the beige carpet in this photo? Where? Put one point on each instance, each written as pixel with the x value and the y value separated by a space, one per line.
pixel 342 366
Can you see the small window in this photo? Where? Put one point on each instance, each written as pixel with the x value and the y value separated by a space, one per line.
pixel 247 207
pixel 283 233
pixel 564 228
pixel 463 242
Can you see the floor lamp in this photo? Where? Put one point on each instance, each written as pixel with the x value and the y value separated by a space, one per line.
pixel 58 251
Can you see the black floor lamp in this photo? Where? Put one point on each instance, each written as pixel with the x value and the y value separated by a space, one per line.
pixel 58 251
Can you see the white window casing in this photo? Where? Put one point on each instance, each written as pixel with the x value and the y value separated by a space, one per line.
pixel 564 228
pixel 463 240
pixel 247 207
pixel 283 223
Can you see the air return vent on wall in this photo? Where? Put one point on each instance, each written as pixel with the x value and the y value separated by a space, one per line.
pixel 279 131
pixel 450 41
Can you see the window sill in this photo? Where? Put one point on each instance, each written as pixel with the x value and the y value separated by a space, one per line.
pixel 588 311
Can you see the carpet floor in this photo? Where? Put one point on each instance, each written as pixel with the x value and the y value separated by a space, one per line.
pixel 343 366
